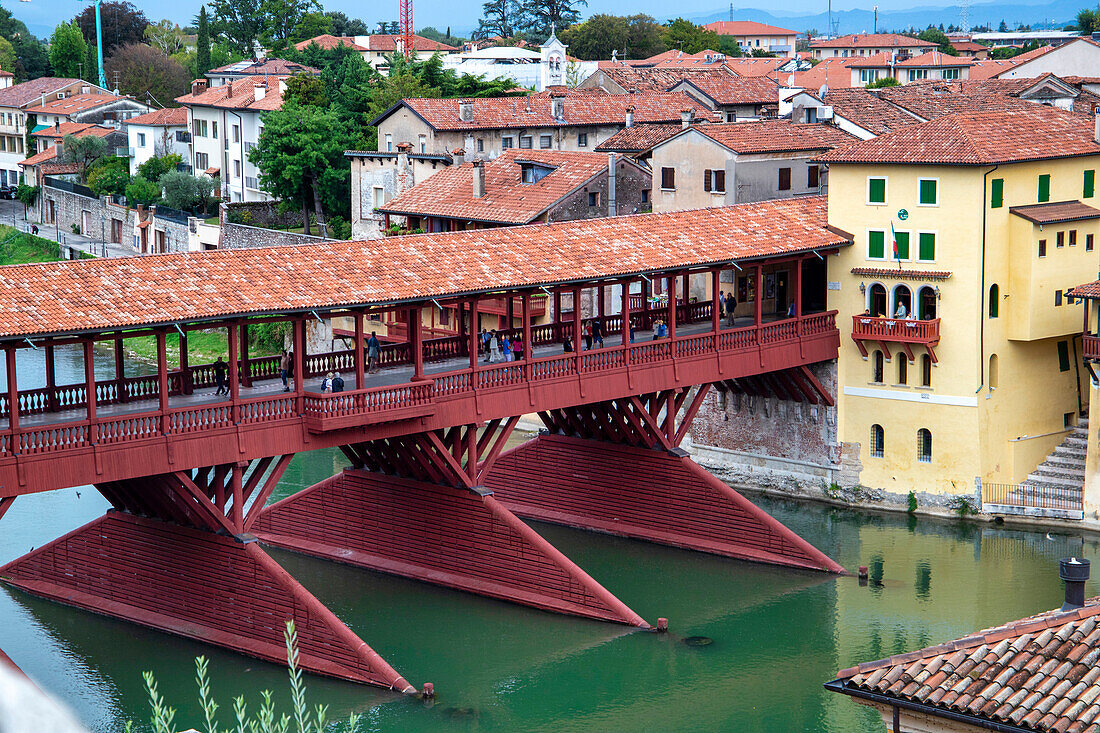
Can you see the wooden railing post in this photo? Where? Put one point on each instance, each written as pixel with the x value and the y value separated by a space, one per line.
pixel 577 338
pixel 89 384
pixel 13 394
pixel 671 308
pixel 715 319
pixel 360 367
pixel 234 376
pixel 798 305
pixel 299 366
pixel 475 338
pixel 51 379
pixel 162 380
pixel 416 344
pixel 528 347
pixel 185 367
pixel 626 322
pixel 246 370
pixel 120 369
pixel 758 305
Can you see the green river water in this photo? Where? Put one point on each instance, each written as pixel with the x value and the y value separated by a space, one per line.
pixel 777 634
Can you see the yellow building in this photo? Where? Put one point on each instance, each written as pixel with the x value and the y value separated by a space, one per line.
pixel 961 353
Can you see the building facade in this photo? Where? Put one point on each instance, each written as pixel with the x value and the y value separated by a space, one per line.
pixel 156 134
pixel 377 177
pixel 869 44
pixel 752 36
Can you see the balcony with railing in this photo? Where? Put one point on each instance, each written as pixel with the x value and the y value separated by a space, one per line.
pixel 1091 346
pixel 903 331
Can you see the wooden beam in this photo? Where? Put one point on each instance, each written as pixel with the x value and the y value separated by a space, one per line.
pixel 265 491
pixel 689 415
pixel 825 396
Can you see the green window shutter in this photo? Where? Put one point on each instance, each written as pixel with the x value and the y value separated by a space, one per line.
pixel 876 245
pixel 902 238
pixel 927 246
pixel 1063 356
pixel 928 192
pixel 997 194
pixel 1090 184
pixel 876 190
pixel 1044 187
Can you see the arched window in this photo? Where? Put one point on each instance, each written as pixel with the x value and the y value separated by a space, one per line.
pixel 924 445
pixel 903 369
pixel 903 302
pixel 876 302
pixel 878 441
pixel 926 299
pixel 994 300
pixel 994 372
pixel 926 371
pixel 877 369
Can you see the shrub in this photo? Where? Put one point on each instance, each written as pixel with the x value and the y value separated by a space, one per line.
pixel 109 176
pixel 184 191
pixel 154 168
pixel 912 502
pixel 142 191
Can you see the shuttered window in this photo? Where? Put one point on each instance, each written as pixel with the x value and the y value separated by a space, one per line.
pixel 1044 187
pixel 719 181
pixel 668 178
pixel 876 190
pixel 784 179
pixel 997 193
pixel 876 245
pixel 708 177
pixel 1090 185
pixel 926 246
pixel 812 177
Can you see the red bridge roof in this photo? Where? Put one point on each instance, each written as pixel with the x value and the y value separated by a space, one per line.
pixel 98 295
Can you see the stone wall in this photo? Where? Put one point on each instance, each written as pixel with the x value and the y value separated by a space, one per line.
pixel 118 225
pixel 239 236
pixel 259 214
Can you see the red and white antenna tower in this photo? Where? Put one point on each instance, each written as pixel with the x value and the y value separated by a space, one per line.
pixel 406 28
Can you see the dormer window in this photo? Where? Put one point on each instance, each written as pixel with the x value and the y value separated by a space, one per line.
pixel 533 172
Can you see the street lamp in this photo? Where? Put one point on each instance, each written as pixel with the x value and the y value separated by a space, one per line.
pixel 103 232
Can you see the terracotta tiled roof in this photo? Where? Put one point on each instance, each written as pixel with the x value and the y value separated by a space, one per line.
pixel 266 67
pixel 651 79
pixel 239 94
pixel 979 138
pixel 5 73
pixel 962 46
pixel 388 43
pixel 755 66
pixel 20 95
pixel 772 136
pixel 1088 290
pixel 935 59
pixel 833 72
pixel 329 41
pixel 79 129
pixel 638 138
pixel 167 117
pixel 1030 55
pixel 869 111
pixel 872 40
pixel 989 68
pixel 1040 673
pixel 507 200
pixel 747 28
pixel 593 107
pixel 875 60
pixel 933 99
pixel 123 292
pixel 1056 212
pixel 73 104
pixel 46 156
pixel 725 89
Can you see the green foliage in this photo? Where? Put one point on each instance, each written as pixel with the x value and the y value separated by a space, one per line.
pixel 638 36
pixel 122 24
pixel 306 89
pixel 433 34
pixel 339 228
pixel 67 49
pixel 18 248
pixel 937 36
pixel 184 191
pixel 32 60
pixel 310 26
pixel 730 47
pixel 267 338
pixel 1088 21
pixel 541 16
pixel 8 61
pixel 241 23
pixel 142 71
pixel 109 176
pixel 912 502
pixel 690 38
pixel 83 151
pixel 90 69
pixel 964 508
pixel 266 719
pixel 27 195
pixel 165 36
pixel 886 81
pixel 342 25
pixel 202 45
pixel 157 166
pixel 142 191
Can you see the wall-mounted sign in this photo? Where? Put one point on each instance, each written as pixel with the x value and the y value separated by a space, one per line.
pixel 903 214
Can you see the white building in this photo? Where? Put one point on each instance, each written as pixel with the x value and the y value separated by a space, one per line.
pixel 156 134
pixel 225 125
pixel 752 36
pixel 549 66
pixel 1080 57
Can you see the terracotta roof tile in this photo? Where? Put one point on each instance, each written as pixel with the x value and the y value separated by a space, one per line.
pixel 1056 212
pixel 638 138
pixel 770 136
pixel 725 89
pixel 979 138
pixel 73 104
pixel 20 95
pixel 66 297
pixel 449 193
pixel 832 72
pixel 872 40
pixel 265 67
pixel 79 129
pixel 868 110
pixel 167 117
pixel 652 79
pixel 935 59
pixel 747 28
pixel 329 41
pixel 239 94
pixel 989 68
pixel 931 99
pixel 388 43
pixel 594 107
pixel 751 66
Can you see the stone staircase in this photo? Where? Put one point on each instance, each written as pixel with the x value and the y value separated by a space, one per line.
pixel 1059 481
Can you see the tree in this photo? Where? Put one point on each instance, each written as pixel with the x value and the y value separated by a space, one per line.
pixel 306 89
pixel 141 191
pixel 686 36
pixel 143 71
pixel 122 24
pixel 499 18
pixel 730 46
pixel 82 151
pixel 342 25
pixel 27 195
pixel 282 16
pixel 545 15
pixel 109 176
pixel 67 48
pixel 90 70
pixel 31 57
pixel 165 36
pixel 300 155
pixel 8 60
pixel 1003 27
pixel 202 45
pixel 310 26
pixel 596 38
pixel 883 82
pixel 934 35
pixel 154 168
pixel 1088 21
pixel 184 191
pixel 239 23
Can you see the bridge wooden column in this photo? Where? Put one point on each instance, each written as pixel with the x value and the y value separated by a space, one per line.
pixel 416 506
pixel 13 391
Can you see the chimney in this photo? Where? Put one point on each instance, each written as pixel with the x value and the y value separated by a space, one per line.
pixel 260 90
pixel 198 87
pixel 1096 127
pixel 611 204
pixel 229 90
pixel 557 105
pixel 458 155
pixel 466 110
pixel 687 116
pixel 1074 571
pixel 630 116
pixel 479 179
